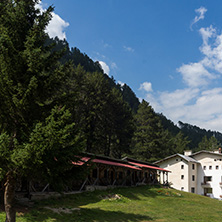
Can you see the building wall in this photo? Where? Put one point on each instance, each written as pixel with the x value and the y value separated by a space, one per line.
pixel 179 176
pixel 210 166
pixel 193 177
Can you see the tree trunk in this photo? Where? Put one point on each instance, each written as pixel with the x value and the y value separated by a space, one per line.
pixel 9 197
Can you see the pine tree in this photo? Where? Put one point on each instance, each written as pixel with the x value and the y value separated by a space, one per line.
pixel 208 144
pixel 147 139
pixel 122 127
pixel 36 131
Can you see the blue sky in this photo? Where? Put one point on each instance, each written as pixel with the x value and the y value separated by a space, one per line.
pixel 168 51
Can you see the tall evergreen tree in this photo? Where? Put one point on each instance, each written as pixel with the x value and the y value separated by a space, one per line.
pixel 122 126
pixel 36 132
pixel 148 134
pixel 102 116
pixel 130 97
pixel 210 144
pixel 176 143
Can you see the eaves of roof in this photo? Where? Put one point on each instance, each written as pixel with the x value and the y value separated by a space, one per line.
pixel 186 158
pixel 205 151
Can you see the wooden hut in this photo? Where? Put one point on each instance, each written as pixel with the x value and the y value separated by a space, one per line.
pixel 106 171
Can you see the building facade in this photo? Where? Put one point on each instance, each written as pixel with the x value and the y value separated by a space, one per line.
pixel 199 173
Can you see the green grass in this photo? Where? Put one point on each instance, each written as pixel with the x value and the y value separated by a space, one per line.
pixel 138 204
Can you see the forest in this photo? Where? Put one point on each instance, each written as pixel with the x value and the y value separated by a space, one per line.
pixel 56 103
pixel 137 130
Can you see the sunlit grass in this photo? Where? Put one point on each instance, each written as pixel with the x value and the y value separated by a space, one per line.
pixel 138 204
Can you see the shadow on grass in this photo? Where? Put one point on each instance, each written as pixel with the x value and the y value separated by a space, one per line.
pixel 88 215
pixel 38 213
pixel 80 199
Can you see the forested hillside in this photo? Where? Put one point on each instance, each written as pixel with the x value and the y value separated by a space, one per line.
pixel 113 121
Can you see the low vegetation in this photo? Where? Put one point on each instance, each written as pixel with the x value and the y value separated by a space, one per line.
pixel 137 204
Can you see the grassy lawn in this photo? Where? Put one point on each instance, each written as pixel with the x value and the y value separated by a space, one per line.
pixel 138 204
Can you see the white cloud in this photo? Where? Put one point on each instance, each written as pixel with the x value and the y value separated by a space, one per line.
pixel 201 14
pixel 56 26
pixel 191 106
pixel 212 50
pixel 206 111
pixel 201 73
pixel 121 83
pixel 128 49
pixel 147 86
pixel 207 33
pixel 195 74
pixel 178 98
pixel 105 67
pixel 199 102
pixel 153 100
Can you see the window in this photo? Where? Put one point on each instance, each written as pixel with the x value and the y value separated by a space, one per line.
pixel 210 167
pixel 182 167
pixel 193 166
pixel 217 167
pixel 204 167
pixel 193 177
pixel 182 177
pixel 208 190
pixel 182 188
pixel 176 159
pixel 192 189
pixel 207 179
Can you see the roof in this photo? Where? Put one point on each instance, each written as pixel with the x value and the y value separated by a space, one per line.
pixel 104 160
pixel 125 162
pixel 129 159
pixel 149 167
pixel 144 164
pixel 186 158
pixel 206 151
pixel 81 161
pixel 115 164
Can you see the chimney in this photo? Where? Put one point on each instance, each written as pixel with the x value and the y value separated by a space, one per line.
pixel 187 152
pixel 217 151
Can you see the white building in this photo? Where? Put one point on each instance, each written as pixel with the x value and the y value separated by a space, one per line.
pixel 199 173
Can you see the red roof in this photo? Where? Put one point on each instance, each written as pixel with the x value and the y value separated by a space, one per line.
pixel 82 161
pixel 148 166
pixel 115 164
pixel 107 162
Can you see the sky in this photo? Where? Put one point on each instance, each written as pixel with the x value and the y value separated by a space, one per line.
pixel 168 51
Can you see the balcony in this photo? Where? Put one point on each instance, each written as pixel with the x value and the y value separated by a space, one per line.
pixel 205 184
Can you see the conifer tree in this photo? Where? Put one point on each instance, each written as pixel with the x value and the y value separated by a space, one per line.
pixel 148 134
pixel 210 144
pixel 36 132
